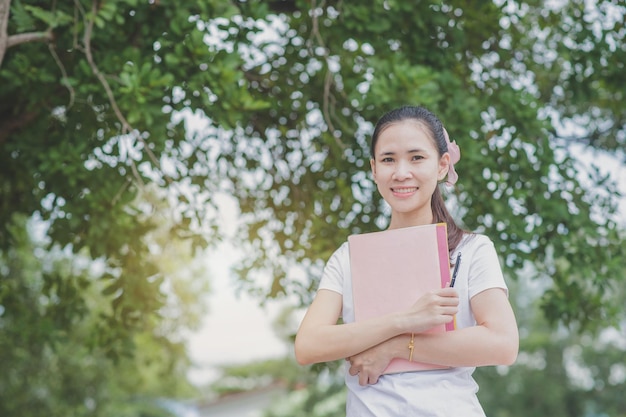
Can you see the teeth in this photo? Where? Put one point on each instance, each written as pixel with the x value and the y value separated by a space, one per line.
pixel 404 190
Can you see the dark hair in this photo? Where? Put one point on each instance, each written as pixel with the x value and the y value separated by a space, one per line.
pixel 434 128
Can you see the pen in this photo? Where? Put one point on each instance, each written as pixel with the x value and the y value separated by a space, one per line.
pixel 456 269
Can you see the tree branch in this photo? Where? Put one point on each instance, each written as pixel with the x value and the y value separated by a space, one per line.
pixel 126 126
pixel 21 38
pixel 64 80
pixel 7 41
pixel 329 78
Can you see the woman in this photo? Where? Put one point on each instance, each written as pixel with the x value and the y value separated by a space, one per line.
pixel 410 155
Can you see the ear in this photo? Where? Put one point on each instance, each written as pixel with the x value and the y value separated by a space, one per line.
pixel 373 166
pixel 444 166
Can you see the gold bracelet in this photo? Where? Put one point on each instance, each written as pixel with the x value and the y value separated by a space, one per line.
pixel 411 347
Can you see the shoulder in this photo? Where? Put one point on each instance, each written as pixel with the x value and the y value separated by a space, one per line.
pixel 483 263
pixel 477 246
pixel 336 269
pixel 341 254
pixel 473 242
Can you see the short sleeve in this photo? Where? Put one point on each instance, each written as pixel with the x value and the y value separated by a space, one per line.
pixel 485 270
pixel 335 270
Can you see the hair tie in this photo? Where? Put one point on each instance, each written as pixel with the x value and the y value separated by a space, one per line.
pixel 455 156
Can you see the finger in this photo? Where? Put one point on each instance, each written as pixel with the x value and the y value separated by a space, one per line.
pixel 363 378
pixel 353 371
pixel 447 292
pixel 449 303
pixel 448 311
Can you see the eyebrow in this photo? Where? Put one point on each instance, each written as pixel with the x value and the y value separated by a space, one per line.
pixel 409 152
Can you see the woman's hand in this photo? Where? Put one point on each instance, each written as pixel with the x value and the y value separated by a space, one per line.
pixel 370 364
pixel 432 309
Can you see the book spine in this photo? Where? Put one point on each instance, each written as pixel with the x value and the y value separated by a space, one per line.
pixel 444 263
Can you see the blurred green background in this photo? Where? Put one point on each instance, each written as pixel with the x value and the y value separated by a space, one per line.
pixel 125 124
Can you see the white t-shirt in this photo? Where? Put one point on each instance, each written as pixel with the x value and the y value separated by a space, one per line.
pixel 449 392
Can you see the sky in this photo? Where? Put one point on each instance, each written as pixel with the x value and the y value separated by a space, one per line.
pixel 236 329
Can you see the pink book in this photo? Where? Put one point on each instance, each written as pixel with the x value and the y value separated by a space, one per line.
pixel 392 269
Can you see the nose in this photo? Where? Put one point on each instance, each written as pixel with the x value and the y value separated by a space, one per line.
pixel 402 171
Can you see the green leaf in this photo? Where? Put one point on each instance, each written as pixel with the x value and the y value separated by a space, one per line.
pixel 52 19
pixel 21 17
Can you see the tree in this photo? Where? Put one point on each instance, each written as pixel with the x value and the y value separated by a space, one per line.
pixel 84 126
pixel 558 372
pixel 52 361
pixel 328 70
pixel 287 92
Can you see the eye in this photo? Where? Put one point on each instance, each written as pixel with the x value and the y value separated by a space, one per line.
pixel 387 159
pixel 417 157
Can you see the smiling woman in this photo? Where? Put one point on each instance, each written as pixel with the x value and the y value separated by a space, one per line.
pixel 410 130
pixel 411 154
pixel 406 169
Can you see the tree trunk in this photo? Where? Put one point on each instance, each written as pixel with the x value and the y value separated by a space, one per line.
pixel 5 6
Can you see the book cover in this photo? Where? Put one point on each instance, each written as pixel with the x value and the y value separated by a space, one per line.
pixel 391 269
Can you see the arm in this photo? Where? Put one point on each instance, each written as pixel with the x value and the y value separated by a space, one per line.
pixel 321 339
pixel 493 341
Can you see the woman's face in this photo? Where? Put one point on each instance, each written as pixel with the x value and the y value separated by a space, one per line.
pixel 406 169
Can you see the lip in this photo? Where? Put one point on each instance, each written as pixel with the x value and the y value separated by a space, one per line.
pixel 404 192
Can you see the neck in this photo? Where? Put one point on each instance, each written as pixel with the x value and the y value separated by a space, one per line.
pixel 400 220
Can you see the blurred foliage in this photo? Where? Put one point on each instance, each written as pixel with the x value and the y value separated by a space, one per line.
pixel 312 391
pixel 272 103
pixel 52 363
pixel 257 375
pixel 495 73
pixel 558 372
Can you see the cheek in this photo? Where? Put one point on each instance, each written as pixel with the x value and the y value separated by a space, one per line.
pixel 379 172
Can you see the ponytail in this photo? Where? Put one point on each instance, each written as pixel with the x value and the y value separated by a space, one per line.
pixel 442 215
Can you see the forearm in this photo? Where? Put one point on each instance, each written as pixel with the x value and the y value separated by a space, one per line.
pixel 472 346
pixel 494 340
pixel 321 339
pixel 326 343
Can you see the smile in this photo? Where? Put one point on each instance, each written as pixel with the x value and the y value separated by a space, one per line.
pixel 404 190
